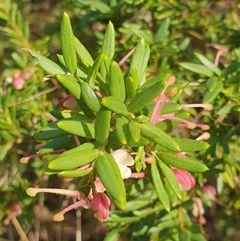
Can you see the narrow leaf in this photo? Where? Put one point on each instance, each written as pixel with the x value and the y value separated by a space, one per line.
pixel 67 43
pixel 115 105
pixel 76 127
pixel 75 173
pixel 46 64
pixel 159 187
pixel 170 178
pixel 208 64
pixel 197 68
pixel 158 136
pixel 82 52
pixel 111 178
pixel 116 82
pixel 57 144
pixel 108 45
pixel 189 145
pixel 49 132
pixel 94 69
pixel 138 59
pixel 71 84
pixel 73 160
pixel 147 95
pixel 185 163
pixel 102 125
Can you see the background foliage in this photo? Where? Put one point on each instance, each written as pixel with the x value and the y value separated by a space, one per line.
pixel 185 38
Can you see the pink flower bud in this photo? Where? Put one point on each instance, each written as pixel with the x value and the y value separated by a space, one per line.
pixel 15 210
pixel 70 103
pixel 18 83
pixel 198 210
pixel 184 179
pixel 210 192
pixel 101 202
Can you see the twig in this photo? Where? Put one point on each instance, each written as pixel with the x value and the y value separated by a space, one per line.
pixel 19 229
pixel 78 225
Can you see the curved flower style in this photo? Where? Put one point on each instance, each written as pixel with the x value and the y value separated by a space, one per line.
pixel 123 159
pixel 184 179
pixel 100 203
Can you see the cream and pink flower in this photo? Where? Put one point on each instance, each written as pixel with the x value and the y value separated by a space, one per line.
pixel 124 160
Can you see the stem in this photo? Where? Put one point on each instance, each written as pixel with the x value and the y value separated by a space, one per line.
pixel 78 225
pixel 19 229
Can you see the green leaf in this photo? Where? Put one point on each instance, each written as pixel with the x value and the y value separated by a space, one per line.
pixel 138 60
pixel 49 132
pixel 84 146
pixel 111 178
pixel 116 82
pixel 115 105
pixel 170 178
pixel 159 187
pixel 94 69
pixel 130 88
pixel 147 95
pixel 108 45
pixel 185 163
pixel 121 129
pixel 189 145
pixel 158 136
pixel 82 52
pixel 75 173
pixel 233 67
pixel 76 127
pixel 67 43
pixel 102 125
pixel 71 84
pixel 73 160
pixel 155 80
pixel 197 68
pixel 90 97
pixel 216 89
pixel 134 131
pixel 46 64
pixel 208 64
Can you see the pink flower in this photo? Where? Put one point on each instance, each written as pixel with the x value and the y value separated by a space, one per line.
pixel 18 83
pixel 210 192
pixel 101 202
pixel 123 159
pixel 96 188
pixel 184 179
